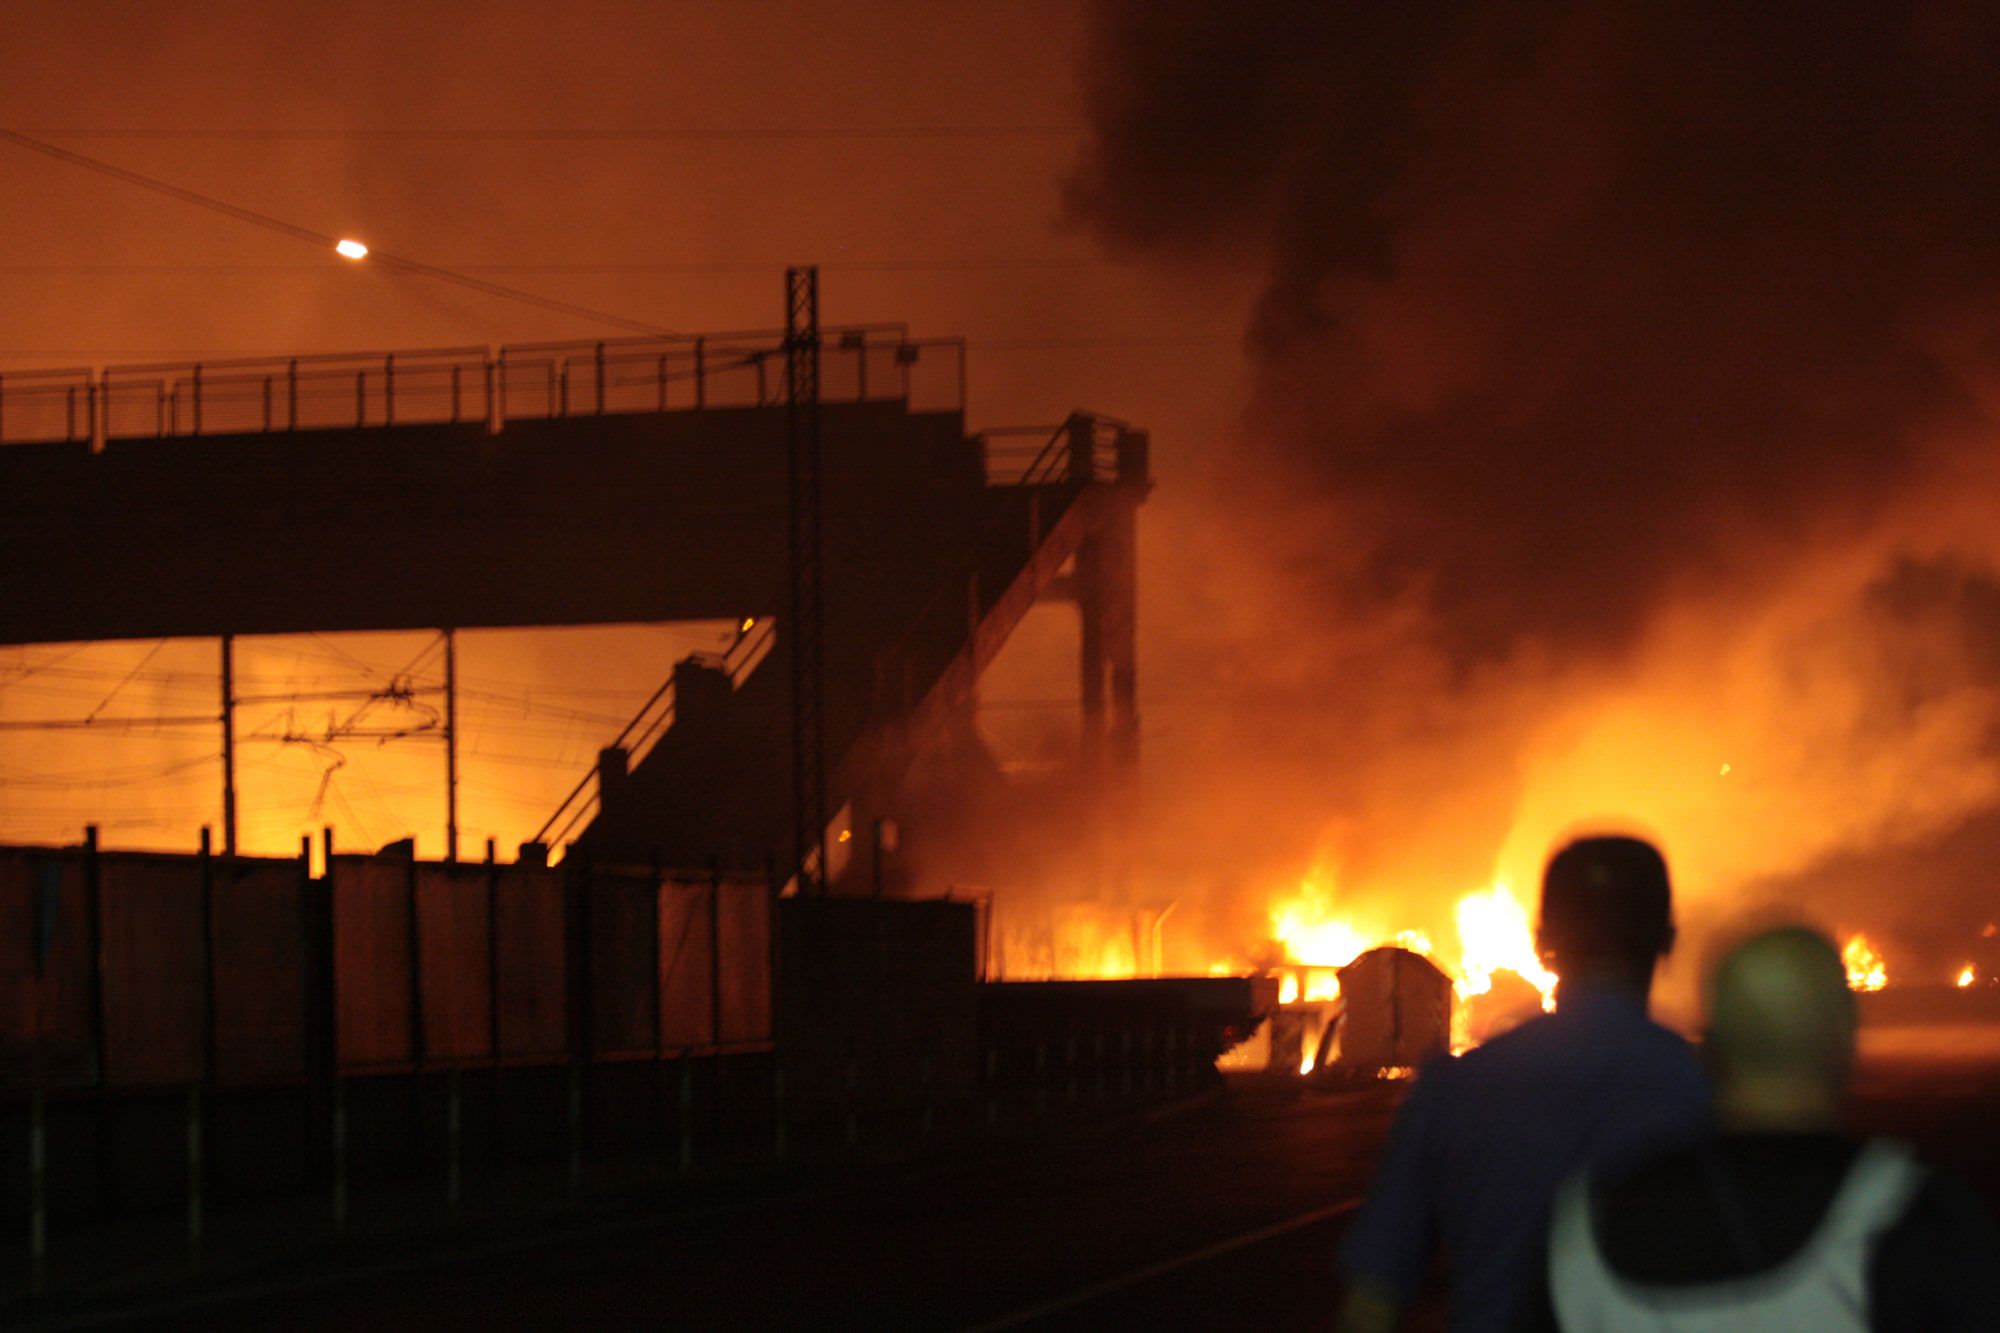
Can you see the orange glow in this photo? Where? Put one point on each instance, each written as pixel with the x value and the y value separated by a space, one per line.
pixel 1309 931
pixel 350 249
pixel 1966 976
pixel 1494 935
pixel 749 623
pixel 1865 969
pixel 847 835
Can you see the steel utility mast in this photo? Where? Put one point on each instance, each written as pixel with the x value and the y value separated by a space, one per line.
pixel 807 603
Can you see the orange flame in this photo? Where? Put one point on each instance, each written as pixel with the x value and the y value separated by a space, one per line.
pixel 1865 969
pixel 1966 976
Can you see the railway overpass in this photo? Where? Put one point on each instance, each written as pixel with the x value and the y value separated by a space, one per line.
pixel 583 483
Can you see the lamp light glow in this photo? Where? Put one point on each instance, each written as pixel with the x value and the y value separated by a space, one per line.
pixel 350 249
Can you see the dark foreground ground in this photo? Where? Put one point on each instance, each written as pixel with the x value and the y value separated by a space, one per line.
pixel 1223 1214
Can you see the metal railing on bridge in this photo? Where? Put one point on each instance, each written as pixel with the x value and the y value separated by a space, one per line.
pixel 470 385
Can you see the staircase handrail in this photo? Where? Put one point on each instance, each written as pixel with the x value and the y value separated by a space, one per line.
pixel 651 721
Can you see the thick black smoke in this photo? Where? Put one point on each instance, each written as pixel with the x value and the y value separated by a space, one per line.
pixel 1567 307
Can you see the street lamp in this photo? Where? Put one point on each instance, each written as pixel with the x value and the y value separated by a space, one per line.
pixel 350 249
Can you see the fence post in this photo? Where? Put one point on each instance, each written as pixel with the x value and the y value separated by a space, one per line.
pixel 777 1108
pixel 452 1120
pixel 575 1127
pixel 930 1093
pixel 339 1153
pixel 194 1175
pixel 104 1157
pixel 851 1078
pixel 496 394
pixel 38 1190
pixel 687 1111
pixel 292 394
pixel 600 379
pixel 494 1138
pixel 700 375
pixel 197 400
pixel 388 388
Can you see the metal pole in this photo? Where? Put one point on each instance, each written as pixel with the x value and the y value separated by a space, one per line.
pixel 452 1145
pixel 807 554
pixel 38 1190
pixel 339 1152
pixel 777 1107
pixel 194 1173
pixel 451 745
pixel 196 1169
pixel 687 1111
pixel 715 956
pixel 229 745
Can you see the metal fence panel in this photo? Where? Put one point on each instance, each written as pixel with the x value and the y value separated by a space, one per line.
pixel 259 939
pixel 533 964
pixel 153 957
pixel 45 951
pixel 453 961
pixel 623 918
pixel 371 962
pixel 745 936
pixel 687 973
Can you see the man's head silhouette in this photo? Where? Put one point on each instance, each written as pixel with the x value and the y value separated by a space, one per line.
pixel 1607 912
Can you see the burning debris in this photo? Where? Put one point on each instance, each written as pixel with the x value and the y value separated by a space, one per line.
pixel 1495 981
pixel 1865 969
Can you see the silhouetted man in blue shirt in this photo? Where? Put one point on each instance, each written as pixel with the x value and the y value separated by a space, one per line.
pixel 1482 1143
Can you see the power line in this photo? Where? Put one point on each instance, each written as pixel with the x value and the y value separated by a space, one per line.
pixel 697 267
pixel 578 135
pixel 394 263
pixel 125 680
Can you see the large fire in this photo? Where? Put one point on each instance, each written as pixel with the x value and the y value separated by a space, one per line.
pixel 1494 933
pixel 1865 969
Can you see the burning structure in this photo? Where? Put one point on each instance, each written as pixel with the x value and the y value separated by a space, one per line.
pixel 1570 488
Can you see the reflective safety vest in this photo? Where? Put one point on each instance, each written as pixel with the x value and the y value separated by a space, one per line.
pixel 1823 1287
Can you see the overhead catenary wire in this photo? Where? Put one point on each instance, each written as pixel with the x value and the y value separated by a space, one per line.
pixel 574 134
pixel 324 240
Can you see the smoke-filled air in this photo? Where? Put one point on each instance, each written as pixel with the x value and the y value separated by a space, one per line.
pixel 1620 441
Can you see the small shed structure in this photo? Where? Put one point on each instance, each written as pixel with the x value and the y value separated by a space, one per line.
pixel 1396 1013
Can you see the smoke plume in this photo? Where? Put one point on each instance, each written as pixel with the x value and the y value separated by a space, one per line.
pixel 1623 397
